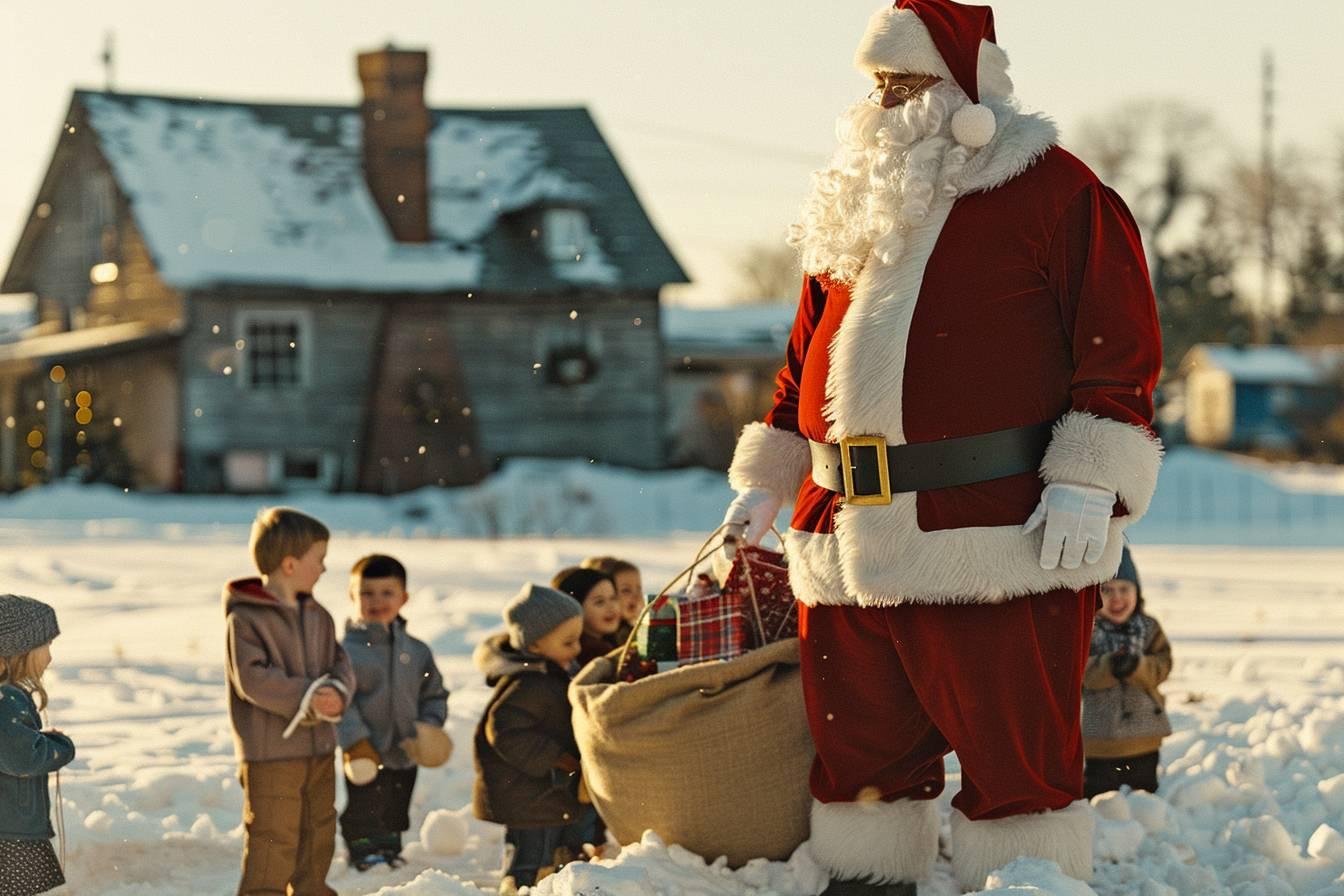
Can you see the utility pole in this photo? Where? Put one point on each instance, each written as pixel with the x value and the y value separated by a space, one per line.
pixel 109 58
pixel 1260 319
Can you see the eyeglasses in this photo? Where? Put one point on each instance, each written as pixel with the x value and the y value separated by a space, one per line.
pixel 904 92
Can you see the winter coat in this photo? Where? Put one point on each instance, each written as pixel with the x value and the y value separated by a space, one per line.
pixel 396 685
pixel 1022 298
pixel 526 757
pixel 1126 717
pixel 593 646
pixel 27 756
pixel 275 653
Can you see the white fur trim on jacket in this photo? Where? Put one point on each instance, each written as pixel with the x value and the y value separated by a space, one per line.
pixel 876 841
pixel 1063 836
pixel 897 41
pixel 814 568
pixel 773 459
pixel 1091 450
pixel 884 556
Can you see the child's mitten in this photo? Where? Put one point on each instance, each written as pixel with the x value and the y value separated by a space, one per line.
pixel 361 762
pixel 431 747
pixel 1123 664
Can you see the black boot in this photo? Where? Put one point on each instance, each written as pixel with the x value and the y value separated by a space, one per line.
pixel 863 888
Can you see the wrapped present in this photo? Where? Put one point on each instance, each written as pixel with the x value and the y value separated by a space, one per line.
pixel 759 583
pixel 712 625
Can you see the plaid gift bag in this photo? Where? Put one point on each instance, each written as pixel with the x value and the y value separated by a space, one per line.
pixel 712 625
pixel 759 583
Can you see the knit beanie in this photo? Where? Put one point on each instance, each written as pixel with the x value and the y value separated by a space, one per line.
pixel 537 611
pixel 1128 573
pixel 577 581
pixel 25 624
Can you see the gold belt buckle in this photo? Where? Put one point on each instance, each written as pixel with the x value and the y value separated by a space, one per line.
pixel 847 469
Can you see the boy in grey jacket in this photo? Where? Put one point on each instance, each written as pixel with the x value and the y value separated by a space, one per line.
pixel 396 720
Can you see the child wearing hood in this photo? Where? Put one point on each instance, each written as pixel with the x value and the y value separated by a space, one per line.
pixel 289 683
pixel 1124 713
pixel 527 761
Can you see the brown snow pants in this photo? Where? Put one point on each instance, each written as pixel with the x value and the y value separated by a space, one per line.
pixel 289 821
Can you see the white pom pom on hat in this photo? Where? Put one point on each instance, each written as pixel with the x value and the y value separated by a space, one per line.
pixel 973 125
pixel 953 41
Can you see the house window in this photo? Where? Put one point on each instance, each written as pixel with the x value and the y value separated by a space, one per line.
pixel 248 471
pixel 275 349
pixel 566 234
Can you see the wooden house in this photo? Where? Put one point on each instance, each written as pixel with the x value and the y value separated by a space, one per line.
pixel 239 296
pixel 1258 397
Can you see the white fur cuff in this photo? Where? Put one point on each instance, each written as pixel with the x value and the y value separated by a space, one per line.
pixel 1063 836
pixel 773 459
pixel 1092 450
pixel 876 841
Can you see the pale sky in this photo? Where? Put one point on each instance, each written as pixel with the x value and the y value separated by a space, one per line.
pixel 717 109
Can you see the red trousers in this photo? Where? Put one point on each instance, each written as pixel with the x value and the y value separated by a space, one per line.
pixel 891 690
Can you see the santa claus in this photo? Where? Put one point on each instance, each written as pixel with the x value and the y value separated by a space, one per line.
pixel 962 424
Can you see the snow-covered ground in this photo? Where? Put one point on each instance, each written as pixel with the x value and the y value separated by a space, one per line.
pixel 1253 791
pixel 1252 800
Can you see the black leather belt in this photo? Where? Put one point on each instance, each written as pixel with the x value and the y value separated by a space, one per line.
pixel 866 470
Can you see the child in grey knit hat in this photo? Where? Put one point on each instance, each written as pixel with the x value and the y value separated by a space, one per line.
pixel 527 762
pixel 27 753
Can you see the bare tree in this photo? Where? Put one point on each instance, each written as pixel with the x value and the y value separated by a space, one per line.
pixel 768 272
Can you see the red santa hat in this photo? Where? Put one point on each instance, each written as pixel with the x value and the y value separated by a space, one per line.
pixel 954 41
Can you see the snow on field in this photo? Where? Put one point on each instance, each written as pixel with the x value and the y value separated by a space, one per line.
pixel 1252 801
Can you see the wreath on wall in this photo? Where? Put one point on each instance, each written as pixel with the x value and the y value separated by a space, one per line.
pixel 425 398
pixel 570 365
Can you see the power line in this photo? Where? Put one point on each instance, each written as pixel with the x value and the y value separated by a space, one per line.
pixel 722 141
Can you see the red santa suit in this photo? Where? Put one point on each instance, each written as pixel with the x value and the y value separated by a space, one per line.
pixel 928 624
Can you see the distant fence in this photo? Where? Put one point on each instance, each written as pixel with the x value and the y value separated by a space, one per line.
pixel 1205 497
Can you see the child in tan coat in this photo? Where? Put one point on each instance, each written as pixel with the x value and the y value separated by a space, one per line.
pixel 289 681
pixel 1124 713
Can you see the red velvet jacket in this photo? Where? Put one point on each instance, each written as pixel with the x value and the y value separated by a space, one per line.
pixel 1023 299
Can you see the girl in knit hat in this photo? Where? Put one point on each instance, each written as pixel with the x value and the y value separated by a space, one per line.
pixel 28 754
pixel 1124 713
pixel 596 593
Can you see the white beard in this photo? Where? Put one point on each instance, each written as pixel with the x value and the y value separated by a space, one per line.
pixel 880 182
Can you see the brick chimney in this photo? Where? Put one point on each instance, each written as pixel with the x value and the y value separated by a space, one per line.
pixel 396 132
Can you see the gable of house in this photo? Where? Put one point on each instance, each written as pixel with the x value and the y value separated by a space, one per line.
pixel 266 194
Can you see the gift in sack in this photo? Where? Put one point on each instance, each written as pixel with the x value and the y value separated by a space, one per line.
pixel 712 625
pixel 759 582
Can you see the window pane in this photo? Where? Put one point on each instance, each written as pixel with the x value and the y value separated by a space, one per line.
pixel 273 354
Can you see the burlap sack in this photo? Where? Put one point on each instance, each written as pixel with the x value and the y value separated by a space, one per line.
pixel 713 757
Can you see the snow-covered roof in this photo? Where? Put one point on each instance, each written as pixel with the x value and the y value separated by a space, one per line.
pixel 89 341
pixel 1269 364
pixel 17 313
pixel 244 193
pixel 744 327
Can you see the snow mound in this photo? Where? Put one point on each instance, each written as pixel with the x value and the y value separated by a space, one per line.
pixel 653 868
pixel 444 833
pixel 431 883
pixel 1035 876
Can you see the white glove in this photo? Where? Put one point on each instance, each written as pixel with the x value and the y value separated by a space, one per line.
pixel 1077 520
pixel 751 515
